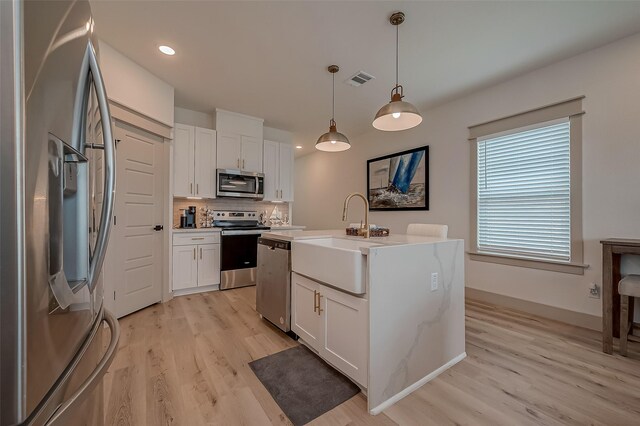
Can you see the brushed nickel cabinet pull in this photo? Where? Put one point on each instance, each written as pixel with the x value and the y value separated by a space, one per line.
pixel 243 164
pixel 197 238
pixel 191 188
pixel 200 253
pixel 197 188
pixel 319 308
pixel 194 253
pixel 315 298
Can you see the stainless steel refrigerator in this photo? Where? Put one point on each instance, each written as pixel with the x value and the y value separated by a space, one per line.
pixel 57 187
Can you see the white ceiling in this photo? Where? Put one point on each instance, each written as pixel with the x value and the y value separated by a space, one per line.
pixel 269 58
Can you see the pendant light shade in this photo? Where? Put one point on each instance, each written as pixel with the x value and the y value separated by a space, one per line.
pixel 333 141
pixel 397 114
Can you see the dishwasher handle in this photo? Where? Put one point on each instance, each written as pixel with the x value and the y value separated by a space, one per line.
pixel 274 244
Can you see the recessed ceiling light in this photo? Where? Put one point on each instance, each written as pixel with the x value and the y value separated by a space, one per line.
pixel 167 50
pixel 298 146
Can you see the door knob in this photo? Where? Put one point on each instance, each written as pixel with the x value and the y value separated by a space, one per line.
pixel 158 228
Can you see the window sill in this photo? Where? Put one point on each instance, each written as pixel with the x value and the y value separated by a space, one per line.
pixel 547 265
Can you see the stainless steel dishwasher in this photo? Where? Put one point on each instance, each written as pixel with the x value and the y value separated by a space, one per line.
pixel 273 286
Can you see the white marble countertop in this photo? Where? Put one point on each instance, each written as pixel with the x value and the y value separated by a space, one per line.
pixel 391 240
pixel 190 230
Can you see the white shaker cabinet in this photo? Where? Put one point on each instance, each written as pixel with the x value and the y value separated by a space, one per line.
pixel 334 323
pixel 205 162
pixel 183 160
pixel 251 154
pixel 196 260
pixel 229 151
pixel 278 171
pixel 194 161
pixel 185 267
pixel 237 151
pixel 208 264
pixel 345 328
pixel 305 320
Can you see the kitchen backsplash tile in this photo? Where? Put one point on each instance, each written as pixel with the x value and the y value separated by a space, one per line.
pixel 225 204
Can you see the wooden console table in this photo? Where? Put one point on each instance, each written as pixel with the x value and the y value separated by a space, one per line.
pixel 612 251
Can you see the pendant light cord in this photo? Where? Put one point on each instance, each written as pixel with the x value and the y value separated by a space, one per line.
pixel 333 97
pixel 397 44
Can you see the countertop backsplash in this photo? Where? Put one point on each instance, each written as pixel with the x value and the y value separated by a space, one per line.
pixel 225 204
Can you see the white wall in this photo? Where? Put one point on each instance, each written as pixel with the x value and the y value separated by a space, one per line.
pixel 277 135
pixel 609 77
pixel 135 87
pixel 193 118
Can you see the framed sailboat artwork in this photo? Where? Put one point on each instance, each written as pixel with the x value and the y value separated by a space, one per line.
pixel 399 181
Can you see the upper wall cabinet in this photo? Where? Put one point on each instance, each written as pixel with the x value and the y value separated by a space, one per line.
pixel 239 141
pixel 194 162
pixel 278 171
pixel 239 152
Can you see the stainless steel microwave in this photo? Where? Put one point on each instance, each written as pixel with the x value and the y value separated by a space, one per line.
pixel 239 184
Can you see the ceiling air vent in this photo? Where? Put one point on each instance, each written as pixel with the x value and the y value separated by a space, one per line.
pixel 359 78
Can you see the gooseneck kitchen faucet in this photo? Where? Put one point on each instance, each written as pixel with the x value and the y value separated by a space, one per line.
pixel 345 211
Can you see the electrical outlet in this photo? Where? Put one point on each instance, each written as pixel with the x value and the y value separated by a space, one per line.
pixel 594 291
pixel 434 281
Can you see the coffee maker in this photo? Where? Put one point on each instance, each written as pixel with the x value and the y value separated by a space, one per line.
pixel 188 217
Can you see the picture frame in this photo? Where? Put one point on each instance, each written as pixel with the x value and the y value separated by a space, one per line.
pixel 399 181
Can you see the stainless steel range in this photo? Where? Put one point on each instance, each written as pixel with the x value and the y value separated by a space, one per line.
pixel 239 248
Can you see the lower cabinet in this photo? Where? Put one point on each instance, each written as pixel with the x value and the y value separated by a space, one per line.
pixel 208 264
pixel 185 267
pixel 334 323
pixel 196 261
pixel 305 318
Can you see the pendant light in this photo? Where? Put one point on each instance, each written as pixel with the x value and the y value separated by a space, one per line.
pixel 397 114
pixel 333 140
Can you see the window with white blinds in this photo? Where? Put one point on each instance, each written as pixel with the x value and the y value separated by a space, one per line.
pixel 524 193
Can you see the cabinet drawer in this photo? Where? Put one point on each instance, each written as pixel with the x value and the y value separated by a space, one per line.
pixel 196 238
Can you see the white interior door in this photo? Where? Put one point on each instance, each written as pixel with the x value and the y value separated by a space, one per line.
pixel 137 246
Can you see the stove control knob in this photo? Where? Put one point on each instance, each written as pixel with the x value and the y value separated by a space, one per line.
pixel 217 214
pixel 222 214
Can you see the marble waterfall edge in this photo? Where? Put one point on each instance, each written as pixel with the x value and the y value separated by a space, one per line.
pixel 415 332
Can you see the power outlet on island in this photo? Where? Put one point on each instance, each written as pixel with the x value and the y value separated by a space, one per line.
pixel 594 291
pixel 434 281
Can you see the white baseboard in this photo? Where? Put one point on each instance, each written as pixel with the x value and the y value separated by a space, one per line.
pixel 397 397
pixel 579 319
pixel 194 290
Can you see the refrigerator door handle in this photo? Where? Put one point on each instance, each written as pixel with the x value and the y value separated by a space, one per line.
pixel 96 261
pixel 94 378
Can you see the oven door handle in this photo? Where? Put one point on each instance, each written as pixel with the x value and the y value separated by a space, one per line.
pixel 244 232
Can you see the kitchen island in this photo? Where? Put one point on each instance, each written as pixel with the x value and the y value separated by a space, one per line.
pixel 388 312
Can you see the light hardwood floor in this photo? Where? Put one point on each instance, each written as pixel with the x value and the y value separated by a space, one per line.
pixel 186 363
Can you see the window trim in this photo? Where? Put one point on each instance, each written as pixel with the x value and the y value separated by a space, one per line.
pixel 570 109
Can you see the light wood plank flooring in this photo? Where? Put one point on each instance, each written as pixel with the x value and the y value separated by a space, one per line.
pixel 186 363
